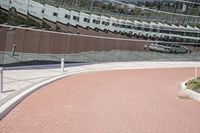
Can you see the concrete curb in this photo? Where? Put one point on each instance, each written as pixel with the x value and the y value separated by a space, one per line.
pixel 190 93
pixel 11 103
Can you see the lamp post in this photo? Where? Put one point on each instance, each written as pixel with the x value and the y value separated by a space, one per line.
pixel 62 65
pixel 198 16
pixel 196 72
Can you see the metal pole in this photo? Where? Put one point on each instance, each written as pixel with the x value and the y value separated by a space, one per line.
pixel 1 79
pixel 91 6
pixel 13 49
pixel 62 65
pixel 76 4
pixel 196 72
pixel 198 16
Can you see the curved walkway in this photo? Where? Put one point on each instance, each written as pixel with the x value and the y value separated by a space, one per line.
pixel 121 101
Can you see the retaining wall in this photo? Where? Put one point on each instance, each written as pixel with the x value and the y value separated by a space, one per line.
pixel 32 41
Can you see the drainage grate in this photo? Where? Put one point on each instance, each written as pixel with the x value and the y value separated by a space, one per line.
pixel 183 97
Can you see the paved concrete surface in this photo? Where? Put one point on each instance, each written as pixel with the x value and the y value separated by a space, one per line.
pixel 19 78
pixel 121 101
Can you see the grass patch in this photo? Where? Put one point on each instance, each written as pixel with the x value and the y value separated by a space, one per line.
pixel 15 20
pixel 3 17
pixel 194 84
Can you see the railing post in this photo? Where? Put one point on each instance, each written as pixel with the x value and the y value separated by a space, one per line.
pixel 62 65
pixel 13 49
pixel 1 79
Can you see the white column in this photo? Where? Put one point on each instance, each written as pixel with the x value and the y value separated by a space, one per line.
pixel 1 79
pixel 62 65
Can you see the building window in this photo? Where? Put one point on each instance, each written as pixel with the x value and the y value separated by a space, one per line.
pixel 105 23
pixel 146 29
pixel 86 20
pixel 129 27
pixel 76 18
pixel 96 21
pixel 67 16
pixel 139 28
pixel 113 24
pixel 55 14
pixel 154 30
pixel 123 26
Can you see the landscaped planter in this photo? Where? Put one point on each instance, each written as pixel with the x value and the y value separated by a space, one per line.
pixel 192 88
pixel 194 84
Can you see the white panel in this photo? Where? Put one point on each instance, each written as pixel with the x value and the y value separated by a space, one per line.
pixel 114 27
pixel 74 14
pixel 36 9
pixel 96 18
pixel 21 6
pixel 51 13
pixel 107 20
pixel 5 4
pixel 82 22
pixel 64 16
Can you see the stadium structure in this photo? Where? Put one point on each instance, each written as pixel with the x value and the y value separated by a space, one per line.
pixel 89 36
pixel 82 66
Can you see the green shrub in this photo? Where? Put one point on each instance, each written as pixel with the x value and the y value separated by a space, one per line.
pixel 194 84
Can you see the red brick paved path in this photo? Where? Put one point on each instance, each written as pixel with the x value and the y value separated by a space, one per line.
pixel 128 101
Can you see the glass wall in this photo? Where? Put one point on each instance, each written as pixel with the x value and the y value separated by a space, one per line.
pixel 23 46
